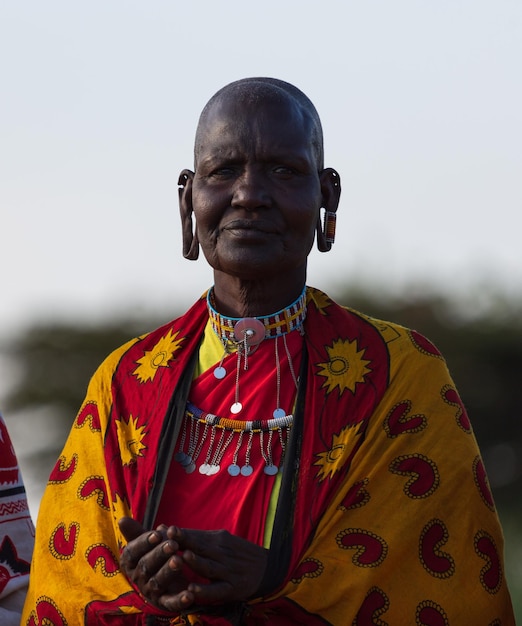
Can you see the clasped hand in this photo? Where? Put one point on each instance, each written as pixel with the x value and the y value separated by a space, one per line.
pixel 159 563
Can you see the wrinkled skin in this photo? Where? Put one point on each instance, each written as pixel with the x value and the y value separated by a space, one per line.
pixel 157 561
pixel 256 196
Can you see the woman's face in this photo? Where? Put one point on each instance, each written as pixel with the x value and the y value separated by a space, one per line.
pixel 256 192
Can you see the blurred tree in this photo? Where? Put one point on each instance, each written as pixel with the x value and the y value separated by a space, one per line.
pixel 56 361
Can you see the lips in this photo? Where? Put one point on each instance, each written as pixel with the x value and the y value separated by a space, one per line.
pixel 248 228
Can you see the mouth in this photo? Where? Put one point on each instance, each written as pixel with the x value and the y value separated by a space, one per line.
pixel 249 228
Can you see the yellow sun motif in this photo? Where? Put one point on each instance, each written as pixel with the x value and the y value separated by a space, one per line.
pixel 130 439
pixel 333 459
pixel 159 356
pixel 346 366
pixel 320 299
pixel 121 507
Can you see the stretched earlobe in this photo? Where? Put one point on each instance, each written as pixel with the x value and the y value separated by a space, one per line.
pixel 326 231
pixel 331 192
pixel 189 233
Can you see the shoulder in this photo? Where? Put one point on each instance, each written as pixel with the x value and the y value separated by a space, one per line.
pixel 154 348
pixel 400 345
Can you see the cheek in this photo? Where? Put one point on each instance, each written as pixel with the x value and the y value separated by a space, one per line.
pixel 300 237
pixel 206 221
pixel 303 222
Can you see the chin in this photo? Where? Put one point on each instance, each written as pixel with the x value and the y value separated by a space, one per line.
pixel 249 263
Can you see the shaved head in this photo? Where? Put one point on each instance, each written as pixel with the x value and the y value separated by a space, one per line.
pixel 255 91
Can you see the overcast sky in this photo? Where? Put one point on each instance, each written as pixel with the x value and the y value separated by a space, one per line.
pixel 420 100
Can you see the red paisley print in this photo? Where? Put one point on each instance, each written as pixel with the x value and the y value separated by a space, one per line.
pixel 309 568
pixel 47 614
pixel 491 573
pixel 62 470
pixel 94 486
pixel 63 542
pixel 374 605
pixel 422 344
pixel 431 614
pixel 101 556
pixel 356 497
pixel 438 563
pixel 370 550
pixel 89 414
pixel 399 420
pixel 422 472
pixel 450 396
pixel 481 480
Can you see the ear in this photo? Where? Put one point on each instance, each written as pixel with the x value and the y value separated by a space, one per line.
pixel 189 235
pixel 331 194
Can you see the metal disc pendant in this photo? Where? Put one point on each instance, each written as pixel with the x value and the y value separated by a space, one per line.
pixel 190 467
pixel 234 470
pixel 236 408
pixel 271 470
pixel 250 330
pixel 203 468
pixel 180 457
pixel 186 461
pixel 220 372
pixel 212 469
pixel 246 470
pixel 279 413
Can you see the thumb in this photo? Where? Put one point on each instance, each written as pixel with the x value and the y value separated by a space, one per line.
pixel 130 528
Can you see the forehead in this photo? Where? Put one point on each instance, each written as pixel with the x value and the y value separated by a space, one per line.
pixel 260 123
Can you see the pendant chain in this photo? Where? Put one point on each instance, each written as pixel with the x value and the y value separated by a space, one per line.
pixel 244 336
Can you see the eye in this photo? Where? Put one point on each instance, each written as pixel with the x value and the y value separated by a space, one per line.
pixel 225 171
pixel 284 171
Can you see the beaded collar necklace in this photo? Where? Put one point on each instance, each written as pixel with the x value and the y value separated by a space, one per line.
pixel 235 328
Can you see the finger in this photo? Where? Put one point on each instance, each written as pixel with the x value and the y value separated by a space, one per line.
pixel 155 563
pixel 208 568
pixel 214 593
pixel 137 552
pixel 207 543
pixel 177 602
pixel 130 528
pixel 169 575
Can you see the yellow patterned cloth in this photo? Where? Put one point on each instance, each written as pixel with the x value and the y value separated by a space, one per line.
pixel 384 516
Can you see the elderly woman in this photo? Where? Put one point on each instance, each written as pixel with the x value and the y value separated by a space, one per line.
pixel 270 457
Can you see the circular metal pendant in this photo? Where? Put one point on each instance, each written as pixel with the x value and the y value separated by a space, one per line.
pixel 212 469
pixel 236 408
pixel 278 413
pixel 271 470
pixel 246 470
pixel 190 467
pixel 234 470
pixel 186 460
pixel 203 468
pixel 180 457
pixel 220 372
pixel 250 330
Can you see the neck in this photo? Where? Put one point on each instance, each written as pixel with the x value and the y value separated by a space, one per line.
pixel 236 297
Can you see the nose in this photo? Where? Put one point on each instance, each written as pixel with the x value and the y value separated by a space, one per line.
pixel 251 190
